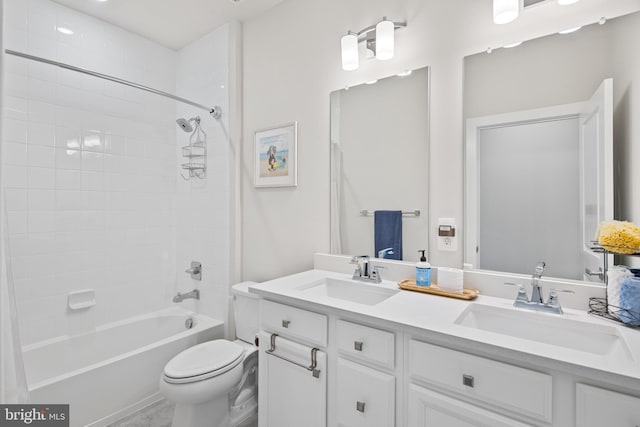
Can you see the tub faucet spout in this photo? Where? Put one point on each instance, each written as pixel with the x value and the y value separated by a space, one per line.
pixel 195 294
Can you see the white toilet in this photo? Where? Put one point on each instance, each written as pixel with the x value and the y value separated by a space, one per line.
pixel 215 384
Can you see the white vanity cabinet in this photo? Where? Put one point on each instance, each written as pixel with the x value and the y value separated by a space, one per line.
pixel 365 385
pixel 293 370
pixel 597 407
pixel 482 381
pixel 374 371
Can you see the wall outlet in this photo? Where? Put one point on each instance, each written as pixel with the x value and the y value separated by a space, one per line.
pixel 447 239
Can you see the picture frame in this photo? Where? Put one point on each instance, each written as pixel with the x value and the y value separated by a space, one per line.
pixel 276 156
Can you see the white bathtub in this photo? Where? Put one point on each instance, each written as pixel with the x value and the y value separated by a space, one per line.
pixel 113 371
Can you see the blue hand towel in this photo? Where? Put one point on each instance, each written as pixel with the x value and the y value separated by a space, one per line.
pixel 630 301
pixel 388 232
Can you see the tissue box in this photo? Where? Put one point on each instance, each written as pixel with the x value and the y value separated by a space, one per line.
pixel 450 279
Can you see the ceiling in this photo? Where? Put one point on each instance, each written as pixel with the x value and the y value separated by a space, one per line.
pixel 171 23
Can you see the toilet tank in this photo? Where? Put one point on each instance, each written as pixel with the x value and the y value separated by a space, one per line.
pixel 246 311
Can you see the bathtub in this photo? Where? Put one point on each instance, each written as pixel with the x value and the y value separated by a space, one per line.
pixel 113 371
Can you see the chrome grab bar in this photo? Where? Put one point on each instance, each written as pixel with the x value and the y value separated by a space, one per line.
pixel 314 361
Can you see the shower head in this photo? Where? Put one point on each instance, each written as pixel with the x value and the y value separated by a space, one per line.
pixel 184 124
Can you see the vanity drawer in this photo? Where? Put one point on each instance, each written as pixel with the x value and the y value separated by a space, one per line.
pixel 365 343
pixel 365 397
pixel 519 390
pixel 292 322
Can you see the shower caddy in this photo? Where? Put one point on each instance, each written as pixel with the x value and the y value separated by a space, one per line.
pixel 600 306
pixel 195 153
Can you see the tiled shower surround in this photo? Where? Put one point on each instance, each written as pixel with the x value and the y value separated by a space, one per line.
pixel 90 171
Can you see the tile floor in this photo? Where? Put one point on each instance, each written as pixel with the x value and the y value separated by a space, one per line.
pixel 159 414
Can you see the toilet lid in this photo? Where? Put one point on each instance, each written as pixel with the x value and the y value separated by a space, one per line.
pixel 203 359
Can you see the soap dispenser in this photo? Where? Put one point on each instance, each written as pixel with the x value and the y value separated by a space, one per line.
pixel 423 270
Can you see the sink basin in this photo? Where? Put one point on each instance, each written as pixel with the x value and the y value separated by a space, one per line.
pixel 545 328
pixel 361 293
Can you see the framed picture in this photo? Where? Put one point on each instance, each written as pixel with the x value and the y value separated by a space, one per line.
pixel 275 153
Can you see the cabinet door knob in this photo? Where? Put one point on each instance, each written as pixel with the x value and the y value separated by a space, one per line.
pixel 285 323
pixel 360 406
pixel 467 380
pixel 357 345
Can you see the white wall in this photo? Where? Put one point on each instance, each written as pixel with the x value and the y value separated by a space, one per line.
pixel 89 170
pixel 291 62
pixel 202 205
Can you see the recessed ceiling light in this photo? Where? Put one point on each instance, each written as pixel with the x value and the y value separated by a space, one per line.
pixel 64 30
pixel 102 1
pixel 405 73
pixel 509 46
pixel 372 82
pixel 570 30
pixel 566 2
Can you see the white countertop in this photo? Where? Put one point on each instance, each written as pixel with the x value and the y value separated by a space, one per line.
pixel 432 313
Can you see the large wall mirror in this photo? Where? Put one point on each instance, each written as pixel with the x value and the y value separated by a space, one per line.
pixel 379 162
pixel 547 124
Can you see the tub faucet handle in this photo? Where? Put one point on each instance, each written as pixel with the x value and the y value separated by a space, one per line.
pixel 195 271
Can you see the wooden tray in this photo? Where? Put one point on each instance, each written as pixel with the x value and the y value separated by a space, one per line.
pixel 410 285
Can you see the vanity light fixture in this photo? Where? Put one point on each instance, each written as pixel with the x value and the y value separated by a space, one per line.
pixel 379 40
pixel 505 11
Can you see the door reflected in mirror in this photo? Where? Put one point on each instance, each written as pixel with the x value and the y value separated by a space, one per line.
pixel 379 162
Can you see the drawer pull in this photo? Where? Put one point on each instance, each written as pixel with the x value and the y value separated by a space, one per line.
pixel 360 407
pixel 286 323
pixel 467 380
pixel 357 345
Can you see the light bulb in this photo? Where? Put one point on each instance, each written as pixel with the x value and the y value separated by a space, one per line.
pixel 505 11
pixel 384 39
pixel 349 44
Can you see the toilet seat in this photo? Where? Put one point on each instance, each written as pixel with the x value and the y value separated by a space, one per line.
pixel 203 361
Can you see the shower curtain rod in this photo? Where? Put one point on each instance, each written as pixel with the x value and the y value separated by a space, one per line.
pixel 215 111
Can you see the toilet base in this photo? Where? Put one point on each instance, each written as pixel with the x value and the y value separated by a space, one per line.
pixel 206 414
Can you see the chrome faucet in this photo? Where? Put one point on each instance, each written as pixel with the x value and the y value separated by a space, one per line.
pixel 536 302
pixel 362 270
pixel 195 294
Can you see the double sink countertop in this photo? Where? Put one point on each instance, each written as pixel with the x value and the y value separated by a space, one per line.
pixel 574 338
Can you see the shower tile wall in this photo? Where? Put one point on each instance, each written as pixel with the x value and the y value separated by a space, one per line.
pixel 202 206
pixel 89 170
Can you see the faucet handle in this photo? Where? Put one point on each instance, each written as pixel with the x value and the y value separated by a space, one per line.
pixel 522 292
pixel 375 273
pixel 553 295
pixel 520 287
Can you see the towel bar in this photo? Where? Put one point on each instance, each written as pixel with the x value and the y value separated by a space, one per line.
pixel 415 212
pixel 314 362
